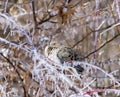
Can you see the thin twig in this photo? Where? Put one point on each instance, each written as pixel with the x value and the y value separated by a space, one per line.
pixel 92 31
pixel 102 45
pixel 34 15
pixel 25 93
pixel 43 21
pixel 76 4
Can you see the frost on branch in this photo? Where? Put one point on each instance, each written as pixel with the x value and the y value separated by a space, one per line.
pixel 88 27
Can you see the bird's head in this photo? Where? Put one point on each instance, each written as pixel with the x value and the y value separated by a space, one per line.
pixel 52 46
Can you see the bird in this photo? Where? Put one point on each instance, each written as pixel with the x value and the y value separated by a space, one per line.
pixel 61 54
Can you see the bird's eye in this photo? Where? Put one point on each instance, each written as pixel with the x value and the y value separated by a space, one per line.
pixel 50 48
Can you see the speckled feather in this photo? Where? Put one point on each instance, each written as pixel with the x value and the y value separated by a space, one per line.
pixel 62 54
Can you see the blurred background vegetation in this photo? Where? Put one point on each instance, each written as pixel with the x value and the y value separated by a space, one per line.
pixel 90 27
